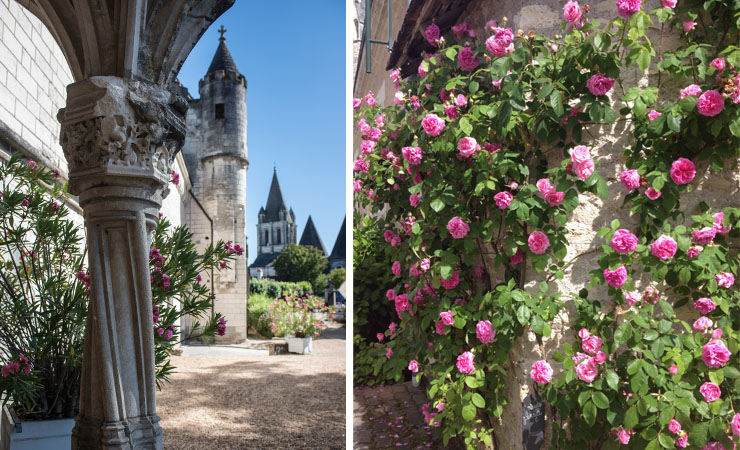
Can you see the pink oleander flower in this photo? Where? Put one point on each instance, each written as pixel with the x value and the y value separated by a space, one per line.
pixel 653 114
pixel 623 241
pixel 538 242
pixel 721 229
pixel 447 317
pixel 452 282
pixel 413 366
pixel 691 89
pixel 715 354
pixel 682 441
pixel 664 248
pixel 484 331
pixel 710 391
pixel 669 3
pixel 674 426
pixel 388 352
pixel 572 12
pixel 630 179
pixel 432 34
pixel 735 424
pixel 396 268
pixel 554 198
pixel 360 165
pixel 541 372
pixel 380 337
pixel 432 125
pixel 725 279
pixel 599 84
pixel 517 257
pixel 458 228
pixel 652 194
pixel 503 199
pixel 688 26
pixel 544 186
pixel 616 278
pixel 703 324
pixel 673 370
pixel 591 344
pixel 467 147
pixel 414 200
pixel 585 169
pixel 587 370
pixel 465 363
pixel 624 436
pixel 460 100
pixel 703 236
pixel 412 154
pixel 632 297
pixel 580 154
pixel 704 305
pixel 356 102
pixel 710 103
pixel 467 59
pixel 718 63
pixel 626 8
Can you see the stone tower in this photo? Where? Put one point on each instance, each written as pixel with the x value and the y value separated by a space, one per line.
pixel 216 154
pixel 275 223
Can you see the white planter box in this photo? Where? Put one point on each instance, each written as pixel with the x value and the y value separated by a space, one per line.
pixel 298 345
pixel 53 434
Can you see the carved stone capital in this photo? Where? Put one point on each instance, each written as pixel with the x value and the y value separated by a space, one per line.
pixel 114 130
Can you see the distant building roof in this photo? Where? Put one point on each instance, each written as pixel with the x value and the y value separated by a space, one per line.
pixel 222 60
pixel 275 201
pixel 311 237
pixel 264 260
pixel 339 252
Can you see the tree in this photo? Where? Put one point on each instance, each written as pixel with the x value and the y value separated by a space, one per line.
pixel 300 263
pixel 337 277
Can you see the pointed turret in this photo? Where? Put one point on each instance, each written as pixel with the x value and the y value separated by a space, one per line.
pixel 275 201
pixel 222 60
pixel 311 237
pixel 338 257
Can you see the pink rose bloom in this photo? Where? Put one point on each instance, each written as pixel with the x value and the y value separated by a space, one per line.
pixel 465 363
pixel 625 8
pixel 599 84
pixel 357 186
pixel 460 100
pixel 703 323
pixel 580 154
pixel 623 241
pixel 669 3
pixel 398 98
pixel 663 248
pixel 673 370
pixel 503 199
pixel 717 334
pixel 735 424
pixel 388 352
pixel 360 165
pixel 725 279
pixel 715 354
pixel 691 89
pixel 396 268
pixel 632 297
pixel 703 236
pixel 517 257
pixel 432 125
pixel 538 242
pixel 367 147
pixel 458 228
pixel 402 304
pixel 583 333
pixel 467 146
pixel 541 372
pixel 432 34
pixel 413 366
pixel 451 112
pixel 704 305
pixel 390 294
pixel 392 328
pixel 388 235
pixel 492 148
pixel 587 371
pixel 460 29
pixel 439 328
pixel 414 200
pixel 448 317
pixel 572 12
pixel 452 282
pixel 721 229
pixel 544 186
pixel 501 42
pixel 674 426
pixel 356 102
pixel 652 194
pixel 688 26
pixel 485 332
pixel 682 441
pixel 513 185
pixel 585 169
pixel 624 436
pixel 412 155
pixel 710 391
pixel 653 114
pixel 554 198
pixel 467 59
pixel 710 103
pixel 600 358
pixel 616 278
pixel 693 251
pixel 440 406
pixel 422 73
pixel 591 344
pixel 630 179
pixel 369 99
pixel 714 445
pixel 718 63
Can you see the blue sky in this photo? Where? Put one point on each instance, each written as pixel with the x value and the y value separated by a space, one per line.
pixel 293 56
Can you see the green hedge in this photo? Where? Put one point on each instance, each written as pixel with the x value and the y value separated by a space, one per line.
pixel 258 313
pixel 274 289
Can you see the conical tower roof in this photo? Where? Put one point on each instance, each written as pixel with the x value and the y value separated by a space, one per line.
pixel 222 60
pixel 275 200
pixel 339 252
pixel 311 237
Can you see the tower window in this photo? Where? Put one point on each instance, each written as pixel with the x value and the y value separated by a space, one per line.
pixel 278 237
pixel 267 237
pixel 219 110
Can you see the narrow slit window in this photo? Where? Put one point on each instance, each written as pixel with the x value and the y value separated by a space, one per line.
pixel 219 110
pixel 278 237
pixel 267 237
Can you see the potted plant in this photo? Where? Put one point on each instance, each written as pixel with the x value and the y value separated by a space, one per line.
pixel 300 318
pixel 43 304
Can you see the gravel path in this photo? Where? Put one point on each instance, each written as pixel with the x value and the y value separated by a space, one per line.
pixel 257 402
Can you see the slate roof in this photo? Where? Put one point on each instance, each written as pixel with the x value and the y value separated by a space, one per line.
pixel 222 60
pixel 275 201
pixel 339 252
pixel 264 259
pixel 311 237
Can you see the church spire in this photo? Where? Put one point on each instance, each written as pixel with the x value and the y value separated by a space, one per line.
pixel 275 200
pixel 222 60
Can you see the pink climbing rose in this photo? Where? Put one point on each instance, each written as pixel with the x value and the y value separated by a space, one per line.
pixel 541 372
pixel 735 424
pixel 703 324
pixel 691 89
pixel 503 199
pixel 432 34
pixel 585 169
pixel 580 154
pixel 626 8
pixel 501 43
pixel 710 391
pixel 413 366
pixel 630 179
pixel 458 228
pixel 592 344
pixel 718 224
pixel 586 370
pixel 447 317
pixel 710 103
pixel 718 63
pixel 623 241
pixel 452 282
pixel 703 236
pixel 616 278
pixel 715 354
pixel 396 268
pixel 704 305
pixel 652 194
pixel 572 12
pixel 484 331
pixel 674 426
pixel 669 3
pixel 538 242
pixel 432 124
pixel 682 171
pixel 599 84
pixel 554 198
pixel 467 59
pixel 465 363
pixel 412 155
pixel 624 436
pixel 664 248
pixel 724 279
pixel 653 114
pixel 467 146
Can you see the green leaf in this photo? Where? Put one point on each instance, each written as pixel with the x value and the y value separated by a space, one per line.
pixel 437 205
pixel 631 418
pixel 589 413
pixel 473 87
pixel 601 188
pixel 612 379
pixel 674 123
pixel 600 400
pixel 556 101
pixel 698 435
pixel 446 271
pixel 478 400
pixel 468 412
pixel 471 382
pixel 623 333
pixel 667 309
pixel 666 441
pixel 466 126
pixel 522 314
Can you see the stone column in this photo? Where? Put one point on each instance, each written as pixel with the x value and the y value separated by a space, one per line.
pixel 119 138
